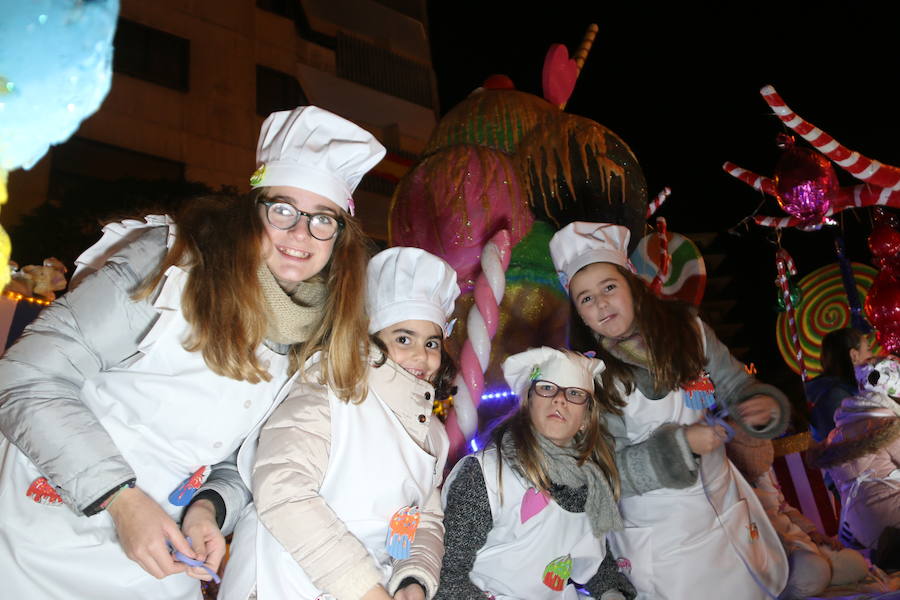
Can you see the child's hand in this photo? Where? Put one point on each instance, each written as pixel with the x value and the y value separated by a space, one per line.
pixel 413 591
pixel 758 411
pixel 703 438
pixel 200 525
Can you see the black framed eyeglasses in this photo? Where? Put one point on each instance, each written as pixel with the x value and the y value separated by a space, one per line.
pixel 548 389
pixel 321 226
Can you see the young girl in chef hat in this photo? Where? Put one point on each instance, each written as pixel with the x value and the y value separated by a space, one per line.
pixel 692 523
pixel 532 510
pixel 346 492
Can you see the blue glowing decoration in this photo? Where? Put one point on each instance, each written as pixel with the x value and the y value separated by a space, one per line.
pixel 474 445
pixel 55 71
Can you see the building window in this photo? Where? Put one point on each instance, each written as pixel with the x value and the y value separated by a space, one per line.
pixel 277 91
pixel 382 70
pixel 152 55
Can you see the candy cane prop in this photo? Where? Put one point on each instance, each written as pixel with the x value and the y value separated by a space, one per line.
pixel 784 264
pixel 861 167
pixel 665 259
pixel 658 201
pixel 481 325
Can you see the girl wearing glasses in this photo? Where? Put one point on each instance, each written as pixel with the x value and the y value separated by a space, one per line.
pixel 531 511
pixel 177 339
pixel 693 525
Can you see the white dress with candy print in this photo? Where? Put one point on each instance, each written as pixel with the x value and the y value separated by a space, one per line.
pixel 534 546
pixel 375 481
pixel 712 538
pixel 171 418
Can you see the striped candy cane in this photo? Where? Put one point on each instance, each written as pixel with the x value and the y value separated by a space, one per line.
pixel 481 325
pixel 784 264
pixel 665 259
pixel 861 167
pixel 658 201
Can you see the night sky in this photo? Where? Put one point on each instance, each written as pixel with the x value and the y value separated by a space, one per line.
pixel 681 87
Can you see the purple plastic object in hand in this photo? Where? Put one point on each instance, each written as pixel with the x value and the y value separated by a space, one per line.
pixel 192 561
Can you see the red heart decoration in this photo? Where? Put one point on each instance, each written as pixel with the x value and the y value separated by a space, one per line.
pixel 560 73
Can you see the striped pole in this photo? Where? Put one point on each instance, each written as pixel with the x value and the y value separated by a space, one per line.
pixel 861 167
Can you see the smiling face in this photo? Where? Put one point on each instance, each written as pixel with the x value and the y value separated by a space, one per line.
pixel 415 345
pixel 293 255
pixel 556 418
pixel 603 300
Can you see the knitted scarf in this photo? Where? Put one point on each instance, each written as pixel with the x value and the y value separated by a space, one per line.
pixel 631 350
pixel 563 469
pixel 292 318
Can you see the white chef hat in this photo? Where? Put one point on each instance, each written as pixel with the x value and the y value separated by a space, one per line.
pixel 409 284
pixel 548 364
pixel 580 244
pixel 313 149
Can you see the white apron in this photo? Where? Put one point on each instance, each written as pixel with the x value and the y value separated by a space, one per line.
pixel 713 536
pixel 171 418
pixel 374 470
pixel 535 559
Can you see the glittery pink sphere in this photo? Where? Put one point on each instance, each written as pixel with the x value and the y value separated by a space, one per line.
pixel 454 201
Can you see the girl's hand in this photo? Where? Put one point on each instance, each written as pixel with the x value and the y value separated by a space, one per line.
pixel 377 593
pixel 758 411
pixel 703 438
pixel 413 591
pixel 200 525
pixel 143 529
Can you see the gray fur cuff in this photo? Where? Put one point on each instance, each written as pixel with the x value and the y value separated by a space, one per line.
pixel 658 462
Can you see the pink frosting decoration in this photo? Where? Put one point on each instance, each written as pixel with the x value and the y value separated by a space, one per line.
pixel 454 201
pixel 533 502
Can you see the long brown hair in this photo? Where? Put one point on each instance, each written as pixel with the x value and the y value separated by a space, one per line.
pixel 594 443
pixel 669 330
pixel 218 240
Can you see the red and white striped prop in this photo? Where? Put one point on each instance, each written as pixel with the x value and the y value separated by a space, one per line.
pixel 861 167
pixel 882 182
pixel 784 264
pixel 658 201
pixel 481 327
pixel 804 487
pixel 665 259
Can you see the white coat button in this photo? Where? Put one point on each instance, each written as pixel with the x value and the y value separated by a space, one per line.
pixel 247 404
pixel 217 445
pixel 422 418
pixel 428 395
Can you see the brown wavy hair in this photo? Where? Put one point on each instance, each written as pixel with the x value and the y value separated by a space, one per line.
pixel 218 240
pixel 669 330
pixel 594 443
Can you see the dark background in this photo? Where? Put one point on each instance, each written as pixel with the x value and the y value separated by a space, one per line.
pixel 680 84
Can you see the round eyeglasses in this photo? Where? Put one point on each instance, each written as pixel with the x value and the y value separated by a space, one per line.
pixel 281 215
pixel 548 389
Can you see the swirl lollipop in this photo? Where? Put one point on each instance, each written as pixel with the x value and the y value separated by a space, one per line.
pixel 823 308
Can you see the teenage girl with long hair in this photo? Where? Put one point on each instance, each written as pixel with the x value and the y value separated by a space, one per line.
pixel 532 510
pixel 177 338
pixel 693 526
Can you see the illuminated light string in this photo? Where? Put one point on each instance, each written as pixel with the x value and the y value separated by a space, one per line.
pixel 15 297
